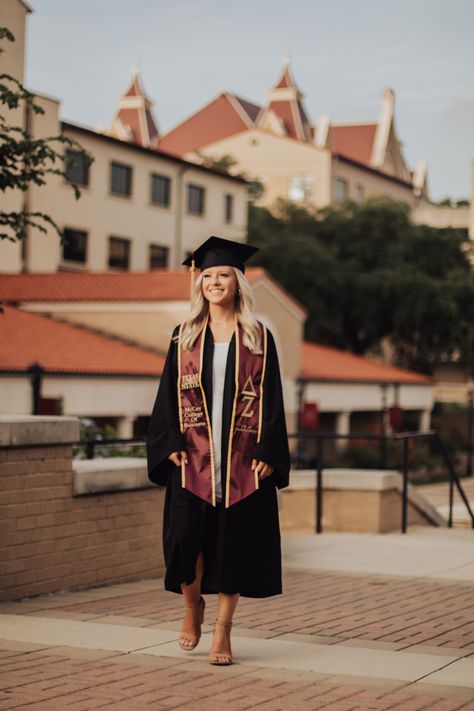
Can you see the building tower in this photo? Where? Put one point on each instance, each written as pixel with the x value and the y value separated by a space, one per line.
pixel 134 120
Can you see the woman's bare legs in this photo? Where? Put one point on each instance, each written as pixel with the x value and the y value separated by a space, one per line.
pixel 221 649
pixel 192 611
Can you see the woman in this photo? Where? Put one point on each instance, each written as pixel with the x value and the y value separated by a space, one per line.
pixel 217 439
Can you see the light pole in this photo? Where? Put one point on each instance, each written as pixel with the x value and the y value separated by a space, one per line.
pixel 36 371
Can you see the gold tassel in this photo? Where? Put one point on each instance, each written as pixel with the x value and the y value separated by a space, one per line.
pixel 192 269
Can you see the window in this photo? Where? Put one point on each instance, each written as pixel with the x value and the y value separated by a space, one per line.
pixel 341 190
pixel 158 256
pixel 229 208
pixel 160 189
pixel 119 253
pixel 75 246
pixel 195 199
pixel 76 168
pixel 301 188
pixel 120 179
pixel 359 192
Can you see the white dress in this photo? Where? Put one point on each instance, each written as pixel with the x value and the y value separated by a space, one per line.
pixel 218 377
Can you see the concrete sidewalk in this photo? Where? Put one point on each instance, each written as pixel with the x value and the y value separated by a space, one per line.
pixel 366 622
pixel 438 496
pixel 423 551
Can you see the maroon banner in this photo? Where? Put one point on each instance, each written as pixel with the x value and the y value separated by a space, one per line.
pixel 309 416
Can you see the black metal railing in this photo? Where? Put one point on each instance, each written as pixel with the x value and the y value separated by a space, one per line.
pixel 320 439
pixel 91 446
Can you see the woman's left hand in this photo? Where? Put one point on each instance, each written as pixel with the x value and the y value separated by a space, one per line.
pixel 263 470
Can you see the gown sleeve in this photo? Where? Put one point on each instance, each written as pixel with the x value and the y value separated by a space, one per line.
pixel 273 446
pixel 163 435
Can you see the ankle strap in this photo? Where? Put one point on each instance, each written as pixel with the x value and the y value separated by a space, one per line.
pixel 224 624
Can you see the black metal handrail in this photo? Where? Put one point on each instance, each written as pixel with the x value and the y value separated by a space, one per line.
pixel 90 445
pixel 320 438
pixel 384 439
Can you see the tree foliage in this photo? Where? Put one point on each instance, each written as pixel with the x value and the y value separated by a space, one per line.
pixel 367 275
pixel 25 160
pixel 227 162
pixel 224 162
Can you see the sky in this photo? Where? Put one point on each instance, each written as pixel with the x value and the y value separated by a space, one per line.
pixel 343 54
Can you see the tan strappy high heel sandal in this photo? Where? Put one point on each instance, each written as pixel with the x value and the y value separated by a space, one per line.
pixel 222 659
pixel 193 638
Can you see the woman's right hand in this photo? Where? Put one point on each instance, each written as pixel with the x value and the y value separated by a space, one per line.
pixel 178 457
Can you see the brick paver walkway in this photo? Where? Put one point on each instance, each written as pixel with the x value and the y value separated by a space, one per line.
pixel 362 611
pixel 56 681
pixel 337 606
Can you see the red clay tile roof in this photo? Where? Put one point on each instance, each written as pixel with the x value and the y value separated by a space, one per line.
pixel 29 338
pixel 252 110
pixel 353 141
pixel 151 125
pixel 134 89
pixel 213 122
pixel 143 128
pixel 286 80
pixel 155 285
pixel 139 119
pixel 294 118
pixel 63 348
pixel 333 365
pixel 130 118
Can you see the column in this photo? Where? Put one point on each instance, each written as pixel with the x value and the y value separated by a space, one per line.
pixel 424 421
pixel 125 427
pixel 343 427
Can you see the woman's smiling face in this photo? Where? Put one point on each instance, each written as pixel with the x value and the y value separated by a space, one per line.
pixel 219 285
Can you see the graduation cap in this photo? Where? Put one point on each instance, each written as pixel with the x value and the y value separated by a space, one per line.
pixel 219 252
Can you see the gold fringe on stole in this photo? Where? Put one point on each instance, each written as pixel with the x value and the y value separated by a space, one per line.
pixel 211 442
pixel 234 406
pixel 180 412
pixel 260 414
pixel 260 411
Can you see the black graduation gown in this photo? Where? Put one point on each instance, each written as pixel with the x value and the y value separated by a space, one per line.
pixel 240 544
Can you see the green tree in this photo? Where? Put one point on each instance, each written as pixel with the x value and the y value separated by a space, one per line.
pixel 366 273
pixel 255 189
pixel 224 162
pixel 25 160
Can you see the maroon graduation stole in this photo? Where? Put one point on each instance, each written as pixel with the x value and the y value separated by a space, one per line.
pixel 198 476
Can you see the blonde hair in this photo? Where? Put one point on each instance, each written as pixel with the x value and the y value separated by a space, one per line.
pixel 244 309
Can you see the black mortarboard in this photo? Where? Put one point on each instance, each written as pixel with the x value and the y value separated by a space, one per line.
pixel 219 252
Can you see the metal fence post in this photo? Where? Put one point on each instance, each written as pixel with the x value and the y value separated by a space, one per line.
pixel 319 484
pixel 405 485
pixel 470 433
pixel 451 498
pixel 90 449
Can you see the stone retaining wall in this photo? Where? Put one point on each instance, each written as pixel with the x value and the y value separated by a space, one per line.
pixel 51 540
pixel 69 524
pixel 355 500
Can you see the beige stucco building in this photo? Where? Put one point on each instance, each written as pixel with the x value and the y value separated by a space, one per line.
pixel 140 207
pixel 313 164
